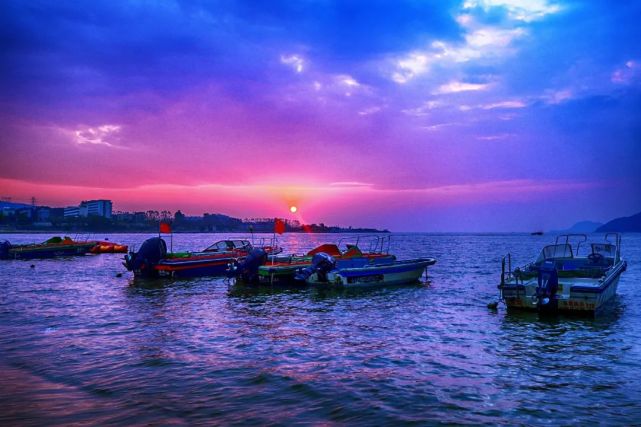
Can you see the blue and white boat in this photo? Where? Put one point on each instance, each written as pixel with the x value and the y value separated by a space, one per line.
pixel 361 272
pixel 580 279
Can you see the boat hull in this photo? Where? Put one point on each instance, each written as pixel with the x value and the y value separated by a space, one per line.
pixel 280 274
pixel 576 296
pixel 48 251
pixel 109 248
pixel 194 268
pixel 284 273
pixel 393 274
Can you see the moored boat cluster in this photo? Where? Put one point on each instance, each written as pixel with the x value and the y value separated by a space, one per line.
pixel 568 276
pixel 326 265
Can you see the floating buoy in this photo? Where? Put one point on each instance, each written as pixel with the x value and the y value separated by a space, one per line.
pixel 494 305
pixel 119 275
pixel 33 266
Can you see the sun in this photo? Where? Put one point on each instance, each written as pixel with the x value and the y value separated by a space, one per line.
pixel 293 209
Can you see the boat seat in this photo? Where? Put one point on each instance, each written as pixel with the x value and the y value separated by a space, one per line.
pixel 353 252
pixel 329 249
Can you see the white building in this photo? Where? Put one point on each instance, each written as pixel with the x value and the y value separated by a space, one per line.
pixel 96 207
pixel 72 212
pixel 90 207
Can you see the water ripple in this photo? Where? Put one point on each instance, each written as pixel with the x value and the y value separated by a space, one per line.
pixel 82 345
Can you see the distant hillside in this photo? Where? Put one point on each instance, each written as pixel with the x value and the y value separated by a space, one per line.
pixel 585 227
pixel 630 224
pixel 581 227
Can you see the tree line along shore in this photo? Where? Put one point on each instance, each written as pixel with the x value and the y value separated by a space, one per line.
pixel 132 222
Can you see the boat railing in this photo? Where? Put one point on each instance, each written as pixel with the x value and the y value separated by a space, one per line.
pixel 375 244
pixel 263 242
pixel 616 243
pixel 570 236
pixel 506 274
pixel 82 237
pixel 382 244
pixel 348 241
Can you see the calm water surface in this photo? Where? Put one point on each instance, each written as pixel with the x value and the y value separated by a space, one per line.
pixel 80 345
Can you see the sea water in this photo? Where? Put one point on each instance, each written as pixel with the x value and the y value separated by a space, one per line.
pixel 81 343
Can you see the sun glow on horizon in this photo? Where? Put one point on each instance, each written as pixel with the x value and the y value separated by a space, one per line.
pixel 293 209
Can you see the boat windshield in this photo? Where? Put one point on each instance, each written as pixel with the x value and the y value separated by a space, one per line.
pixel 220 246
pixel 240 244
pixel 555 251
pixel 605 249
pixel 228 245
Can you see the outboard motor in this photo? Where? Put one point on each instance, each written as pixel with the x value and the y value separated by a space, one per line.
pixel 247 270
pixel 545 298
pixel 150 253
pixel 322 264
pixel 4 249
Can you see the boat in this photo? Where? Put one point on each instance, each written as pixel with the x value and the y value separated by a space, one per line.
pixel 326 271
pixel 565 278
pixel 281 270
pixel 54 247
pixel 153 260
pixel 106 247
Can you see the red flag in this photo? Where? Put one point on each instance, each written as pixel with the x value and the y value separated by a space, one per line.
pixel 165 227
pixel 279 226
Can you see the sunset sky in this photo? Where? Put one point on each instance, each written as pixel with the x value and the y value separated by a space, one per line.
pixel 477 115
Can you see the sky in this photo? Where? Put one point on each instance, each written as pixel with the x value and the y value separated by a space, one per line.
pixel 433 115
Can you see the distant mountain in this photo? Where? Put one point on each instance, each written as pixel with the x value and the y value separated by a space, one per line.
pixel 581 227
pixel 630 224
pixel 585 227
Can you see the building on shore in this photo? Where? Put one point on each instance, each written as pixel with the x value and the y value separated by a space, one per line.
pixel 97 207
pixel 101 208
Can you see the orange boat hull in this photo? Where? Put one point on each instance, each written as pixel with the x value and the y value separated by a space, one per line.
pixel 109 248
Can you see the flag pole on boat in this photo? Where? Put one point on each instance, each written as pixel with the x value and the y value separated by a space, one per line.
pixel 279 227
pixel 165 228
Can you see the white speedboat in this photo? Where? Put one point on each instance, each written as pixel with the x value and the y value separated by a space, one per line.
pixel 578 279
pixel 325 271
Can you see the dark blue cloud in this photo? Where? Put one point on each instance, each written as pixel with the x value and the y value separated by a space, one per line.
pixel 71 54
pixel 63 51
pixel 352 29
